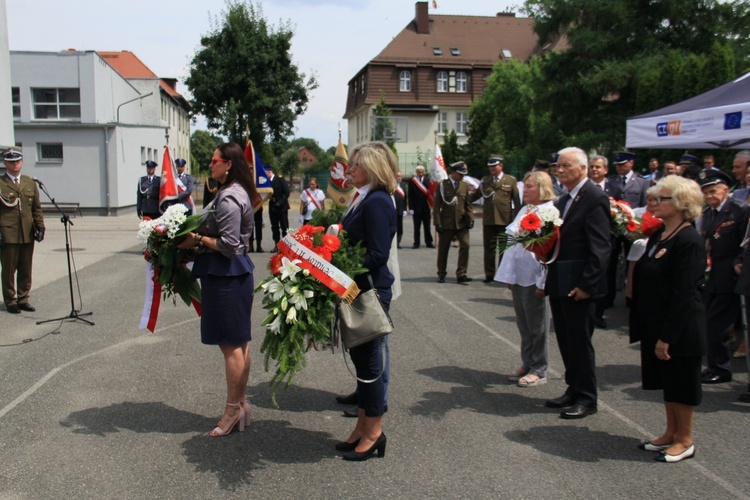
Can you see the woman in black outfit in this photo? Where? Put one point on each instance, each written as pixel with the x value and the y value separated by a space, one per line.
pixel 667 315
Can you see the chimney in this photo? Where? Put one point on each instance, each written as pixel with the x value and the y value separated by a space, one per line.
pixel 422 19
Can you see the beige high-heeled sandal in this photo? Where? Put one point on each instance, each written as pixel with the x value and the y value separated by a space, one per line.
pixel 246 409
pixel 239 421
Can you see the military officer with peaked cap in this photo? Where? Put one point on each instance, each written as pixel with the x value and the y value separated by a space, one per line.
pixel 453 217
pixel 21 223
pixel 188 181
pixel 722 224
pixel 632 186
pixel 147 197
pixel 502 201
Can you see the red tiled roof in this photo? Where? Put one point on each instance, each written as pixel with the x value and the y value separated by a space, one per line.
pixel 128 65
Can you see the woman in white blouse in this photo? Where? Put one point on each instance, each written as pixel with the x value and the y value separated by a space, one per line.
pixel 311 199
pixel 525 276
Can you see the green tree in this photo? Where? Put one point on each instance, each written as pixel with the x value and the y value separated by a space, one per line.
pixel 243 76
pixel 202 147
pixel 383 129
pixel 452 152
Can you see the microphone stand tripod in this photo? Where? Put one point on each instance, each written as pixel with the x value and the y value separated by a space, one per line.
pixel 75 314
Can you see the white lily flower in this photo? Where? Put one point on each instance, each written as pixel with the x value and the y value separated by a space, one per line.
pixel 275 326
pixel 284 303
pixel 291 316
pixel 289 268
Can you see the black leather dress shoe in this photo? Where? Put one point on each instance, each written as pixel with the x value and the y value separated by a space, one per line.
pixel 430 245
pixel 713 378
pixel 600 323
pixel 578 411
pixel 13 309
pixel 26 307
pixel 415 246
pixel 464 279
pixel 488 279
pixel 441 279
pixel 562 402
pixel 349 399
pixel 353 412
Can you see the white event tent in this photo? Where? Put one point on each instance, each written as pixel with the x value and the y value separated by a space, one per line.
pixel 719 118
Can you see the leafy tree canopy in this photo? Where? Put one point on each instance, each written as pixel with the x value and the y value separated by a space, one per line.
pixel 202 147
pixel 243 75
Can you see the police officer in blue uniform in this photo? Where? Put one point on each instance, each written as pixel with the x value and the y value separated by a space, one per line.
pixel 147 197
pixel 722 224
pixel 188 181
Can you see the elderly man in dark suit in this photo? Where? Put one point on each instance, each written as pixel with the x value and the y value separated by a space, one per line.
pixel 21 223
pixel 419 206
pixel 723 225
pixel 453 217
pixel 278 207
pixel 576 278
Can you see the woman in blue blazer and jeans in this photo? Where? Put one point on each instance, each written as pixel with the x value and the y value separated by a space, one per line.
pixel 371 220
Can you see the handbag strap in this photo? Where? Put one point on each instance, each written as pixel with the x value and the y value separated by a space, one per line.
pixel 383 346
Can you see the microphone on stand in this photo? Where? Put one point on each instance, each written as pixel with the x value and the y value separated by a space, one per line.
pixel 41 184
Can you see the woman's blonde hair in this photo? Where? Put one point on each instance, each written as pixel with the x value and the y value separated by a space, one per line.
pixel 686 195
pixel 543 182
pixel 379 162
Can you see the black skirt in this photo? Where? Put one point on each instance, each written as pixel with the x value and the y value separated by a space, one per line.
pixel 226 303
pixel 679 378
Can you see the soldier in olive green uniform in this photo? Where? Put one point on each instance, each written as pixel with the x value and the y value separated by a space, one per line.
pixel 21 222
pixel 453 217
pixel 501 204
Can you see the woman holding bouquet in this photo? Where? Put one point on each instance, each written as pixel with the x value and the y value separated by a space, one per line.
pixel 525 276
pixel 226 274
pixel 371 220
pixel 667 315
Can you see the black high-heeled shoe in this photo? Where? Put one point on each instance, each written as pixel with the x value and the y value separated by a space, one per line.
pixel 378 445
pixel 344 446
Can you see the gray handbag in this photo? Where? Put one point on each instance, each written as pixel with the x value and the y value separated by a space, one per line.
pixel 362 320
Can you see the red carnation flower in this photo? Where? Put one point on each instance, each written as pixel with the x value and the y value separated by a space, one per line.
pixel 531 222
pixel 632 226
pixel 275 263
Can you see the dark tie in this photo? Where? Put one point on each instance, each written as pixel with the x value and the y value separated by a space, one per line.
pixel 714 214
pixel 565 200
pixel 624 180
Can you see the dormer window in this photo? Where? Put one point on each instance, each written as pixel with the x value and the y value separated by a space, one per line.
pixel 437 51
pixel 404 81
pixel 455 51
pixel 442 81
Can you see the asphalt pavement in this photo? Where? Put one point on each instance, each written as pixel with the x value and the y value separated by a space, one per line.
pixel 111 411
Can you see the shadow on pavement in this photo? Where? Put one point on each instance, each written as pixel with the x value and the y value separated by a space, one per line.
pixel 580 444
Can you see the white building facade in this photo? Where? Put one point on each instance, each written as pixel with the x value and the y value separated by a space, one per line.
pixel 86 131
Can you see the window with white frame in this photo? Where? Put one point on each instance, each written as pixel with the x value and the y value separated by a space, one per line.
pixel 404 81
pixel 15 94
pixel 461 122
pixel 48 152
pixel 442 81
pixel 57 104
pixel 442 122
pixel 460 81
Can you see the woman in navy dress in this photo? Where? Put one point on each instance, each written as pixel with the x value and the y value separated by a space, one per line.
pixel 226 274
pixel 371 220
pixel 668 315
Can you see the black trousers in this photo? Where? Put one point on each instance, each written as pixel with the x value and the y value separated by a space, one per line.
pixel 721 313
pixel 574 326
pixel 279 223
pixel 422 220
pixel 399 228
pixel 257 234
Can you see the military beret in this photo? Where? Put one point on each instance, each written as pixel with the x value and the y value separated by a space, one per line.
pixel 11 155
pixel 150 164
pixel 180 162
pixel 494 160
pixel 710 177
pixel 459 167
pixel 623 157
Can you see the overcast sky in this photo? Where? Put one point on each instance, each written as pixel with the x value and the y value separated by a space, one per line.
pixel 333 38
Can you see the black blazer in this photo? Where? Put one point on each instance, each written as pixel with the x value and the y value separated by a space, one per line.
pixel 611 188
pixel 667 302
pixel 584 236
pixel 723 237
pixel 400 200
pixel 417 199
pixel 279 201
